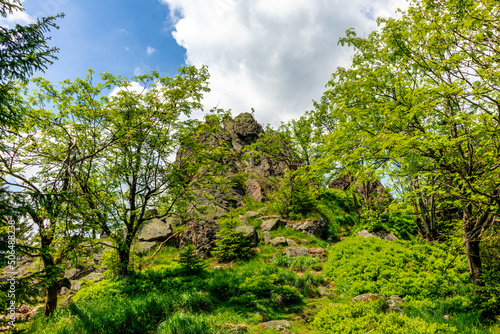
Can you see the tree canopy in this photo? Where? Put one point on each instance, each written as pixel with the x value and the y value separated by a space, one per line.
pixel 420 102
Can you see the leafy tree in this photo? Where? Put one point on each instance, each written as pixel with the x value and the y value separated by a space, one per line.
pixel 143 177
pixel 421 99
pixel 43 164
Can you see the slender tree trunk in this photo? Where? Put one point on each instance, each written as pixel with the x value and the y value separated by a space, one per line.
pixel 429 224
pixel 51 290
pixel 418 220
pixel 51 301
pixel 124 256
pixel 474 260
pixel 472 236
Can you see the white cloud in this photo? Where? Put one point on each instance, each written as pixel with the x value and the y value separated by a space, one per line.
pixel 273 55
pixel 150 50
pixel 141 69
pixel 17 17
pixel 133 87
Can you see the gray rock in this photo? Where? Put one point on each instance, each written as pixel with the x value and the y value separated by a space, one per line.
pixel 202 235
pixel 65 303
pixel 313 227
pixel 389 236
pixel 267 237
pixel 269 217
pixel 156 230
pixel 238 328
pixel 75 273
pixel 394 303
pixel 71 274
pixel 76 285
pixel 173 221
pixel 272 224
pixel 368 297
pixel 252 214
pixel 365 234
pixel 278 241
pixel 249 233
pixel 290 242
pixel 317 252
pixel 296 251
pixel 323 291
pixel 92 278
pixel 142 247
pixel 275 324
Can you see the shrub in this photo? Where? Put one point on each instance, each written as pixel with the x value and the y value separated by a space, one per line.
pixel 299 263
pixel 189 262
pixel 363 318
pixel 370 265
pixel 296 197
pixel 234 246
pixel 285 295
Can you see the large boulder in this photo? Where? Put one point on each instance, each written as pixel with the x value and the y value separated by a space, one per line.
pixel 272 224
pixel 142 247
pixel 202 234
pixel 295 251
pixel 156 230
pixel 249 233
pixel 278 241
pixel 314 227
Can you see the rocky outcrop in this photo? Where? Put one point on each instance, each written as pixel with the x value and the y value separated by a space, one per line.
pixel 248 171
pixel 313 227
pixel 156 230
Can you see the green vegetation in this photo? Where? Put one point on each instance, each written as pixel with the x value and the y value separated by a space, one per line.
pixel 169 300
pixel 234 246
pixel 416 110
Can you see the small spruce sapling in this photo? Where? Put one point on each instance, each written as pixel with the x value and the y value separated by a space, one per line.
pixel 190 263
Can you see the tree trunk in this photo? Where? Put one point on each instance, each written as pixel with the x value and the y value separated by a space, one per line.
pixel 472 238
pixel 51 291
pixel 418 220
pixel 51 301
pixel 474 260
pixel 124 256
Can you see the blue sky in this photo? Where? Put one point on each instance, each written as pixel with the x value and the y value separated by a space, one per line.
pixel 271 55
pixel 110 36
